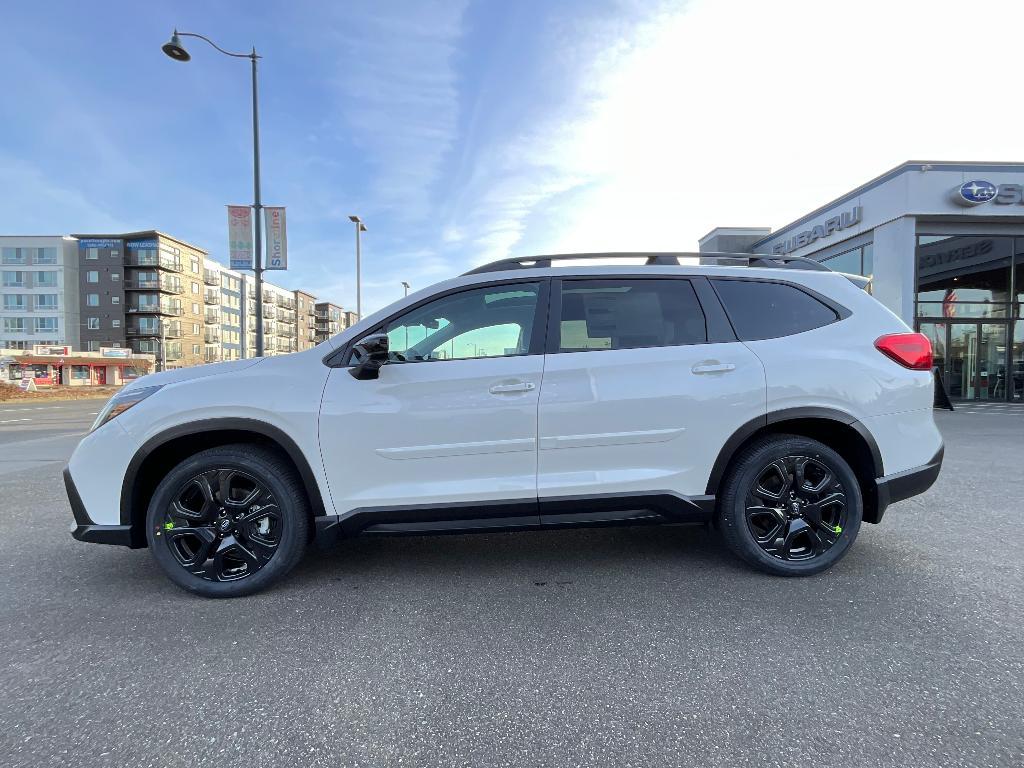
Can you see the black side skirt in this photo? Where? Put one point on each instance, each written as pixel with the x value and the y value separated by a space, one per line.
pixel 658 507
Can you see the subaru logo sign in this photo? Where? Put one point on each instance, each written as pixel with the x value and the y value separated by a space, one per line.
pixel 974 192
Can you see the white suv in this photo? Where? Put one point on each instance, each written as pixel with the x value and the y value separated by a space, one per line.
pixel 768 396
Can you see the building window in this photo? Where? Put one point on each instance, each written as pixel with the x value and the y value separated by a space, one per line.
pixel 195 266
pixel 94 323
pixel 116 323
pixel 92 346
pixel 92 254
pixel 195 349
pixel 14 302
pixel 14 279
pixel 46 256
pixel 115 299
pixel 79 371
pixel 14 325
pixel 114 254
pixel 115 277
pixel 14 256
pixel 92 276
pixel 46 324
pixel 964 276
pixel 46 301
pixel 92 299
pixel 46 279
pixel 195 287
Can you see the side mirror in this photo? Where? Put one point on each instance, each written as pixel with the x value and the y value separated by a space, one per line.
pixel 373 353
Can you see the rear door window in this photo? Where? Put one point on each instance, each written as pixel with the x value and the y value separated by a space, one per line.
pixel 629 314
pixel 762 310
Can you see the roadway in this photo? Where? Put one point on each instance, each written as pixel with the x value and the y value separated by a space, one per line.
pixel 610 647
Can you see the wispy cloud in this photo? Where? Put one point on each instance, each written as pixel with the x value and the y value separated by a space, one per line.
pixel 399 100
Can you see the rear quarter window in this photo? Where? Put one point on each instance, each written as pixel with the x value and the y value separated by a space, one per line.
pixel 761 310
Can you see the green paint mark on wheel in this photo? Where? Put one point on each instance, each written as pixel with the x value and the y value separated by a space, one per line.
pixel 837 529
pixel 168 526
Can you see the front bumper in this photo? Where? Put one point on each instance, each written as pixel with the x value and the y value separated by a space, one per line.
pixel 903 485
pixel 84 529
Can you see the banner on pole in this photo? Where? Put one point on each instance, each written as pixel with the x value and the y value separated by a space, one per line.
pixel 277 238
pixel 240 236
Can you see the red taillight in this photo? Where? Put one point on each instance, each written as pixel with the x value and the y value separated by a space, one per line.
pixel 911 350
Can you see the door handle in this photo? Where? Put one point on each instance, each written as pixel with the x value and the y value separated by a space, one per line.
pixel 713 368
pixel 521 386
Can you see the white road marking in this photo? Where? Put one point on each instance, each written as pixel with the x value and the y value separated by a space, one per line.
pixel 11 421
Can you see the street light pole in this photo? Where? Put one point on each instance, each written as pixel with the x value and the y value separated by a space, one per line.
pixel 176 51
pixel 360 227
pixel 405 285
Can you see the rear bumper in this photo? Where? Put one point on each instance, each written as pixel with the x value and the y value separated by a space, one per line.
pixel 84 529
pixel 903 485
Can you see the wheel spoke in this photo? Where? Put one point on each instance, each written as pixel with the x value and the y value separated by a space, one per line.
pixel 765 522
pixel 191 546
pixel 778 474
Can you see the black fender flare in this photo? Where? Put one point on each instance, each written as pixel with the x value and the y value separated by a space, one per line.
pixel 741 435
pixel 227 424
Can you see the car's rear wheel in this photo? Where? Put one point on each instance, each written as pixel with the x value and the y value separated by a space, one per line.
pixel 790 506
pixel 228 521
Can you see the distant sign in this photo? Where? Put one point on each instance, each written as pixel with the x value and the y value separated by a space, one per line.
pixel 277 238
pixel 42 349
pixel 240 237
pixel 134 244
pixel 820 231
pixel 99 243
pixel 115 352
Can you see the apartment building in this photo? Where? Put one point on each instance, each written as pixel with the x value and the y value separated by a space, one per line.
pixel 280 320
pixel 38 292
pixel 222 314
pixel 331 319
pixel 143 290
pixel 151 293
pixel 305 319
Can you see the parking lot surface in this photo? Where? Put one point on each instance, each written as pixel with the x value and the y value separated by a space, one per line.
pixel 617 647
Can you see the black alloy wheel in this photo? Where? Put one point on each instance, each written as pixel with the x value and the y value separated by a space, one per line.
pixel 222 525
pixel 796 508
pixel 790 505
pixel 229 520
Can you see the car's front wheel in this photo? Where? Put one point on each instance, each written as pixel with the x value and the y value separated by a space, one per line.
pixel 790 506
pixel 228 521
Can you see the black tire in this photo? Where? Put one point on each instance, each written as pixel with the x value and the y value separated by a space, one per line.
pixel 267 521
pixel 807 531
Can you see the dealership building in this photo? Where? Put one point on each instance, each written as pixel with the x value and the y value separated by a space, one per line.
pixel 943 244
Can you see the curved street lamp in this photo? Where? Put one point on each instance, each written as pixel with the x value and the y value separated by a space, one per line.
pixel 175 50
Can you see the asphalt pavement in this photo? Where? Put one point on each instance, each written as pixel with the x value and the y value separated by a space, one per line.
pixel 609 647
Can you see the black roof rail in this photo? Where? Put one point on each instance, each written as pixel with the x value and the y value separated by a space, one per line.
pixel 771 261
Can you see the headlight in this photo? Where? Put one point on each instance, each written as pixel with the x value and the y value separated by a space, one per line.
pixel 121 402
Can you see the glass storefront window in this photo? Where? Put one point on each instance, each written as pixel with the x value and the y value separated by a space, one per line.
pixel 955 270
pixel 954 308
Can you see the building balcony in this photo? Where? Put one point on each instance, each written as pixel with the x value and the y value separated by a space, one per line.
pixel 155 309
pixel 269 312
pixel 212 336
pixel 286 317
pixel 320 314
pixel 211 278
pixel 212 317
pixel 211 297
pixel 162 285
pixel 211 356
pixel 170 332
pixel 159 262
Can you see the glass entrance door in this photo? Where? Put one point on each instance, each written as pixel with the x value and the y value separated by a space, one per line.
pixel 1015 379
pixel 971 358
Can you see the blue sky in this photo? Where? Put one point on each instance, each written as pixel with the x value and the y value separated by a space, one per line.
pixel 466 131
